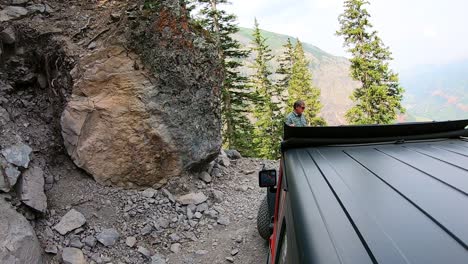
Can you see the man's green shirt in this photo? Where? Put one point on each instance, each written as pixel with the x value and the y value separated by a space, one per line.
pixel 296 120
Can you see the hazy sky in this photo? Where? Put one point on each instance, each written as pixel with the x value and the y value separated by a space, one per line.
pixel 417 31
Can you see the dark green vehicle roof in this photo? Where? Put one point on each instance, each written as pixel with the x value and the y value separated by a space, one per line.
pixel 395 202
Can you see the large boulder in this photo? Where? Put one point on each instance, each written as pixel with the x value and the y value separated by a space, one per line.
pixel 18 242
pixel 133 125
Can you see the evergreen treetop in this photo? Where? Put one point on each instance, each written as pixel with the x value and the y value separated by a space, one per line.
pixel 378 100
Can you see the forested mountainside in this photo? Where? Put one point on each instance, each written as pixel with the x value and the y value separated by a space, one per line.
pixel 330 74
pixel 432 92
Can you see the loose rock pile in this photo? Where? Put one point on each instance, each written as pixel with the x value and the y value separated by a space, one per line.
pixel 16 173
pixel 149 224
pixel 22 8
pixel 22 183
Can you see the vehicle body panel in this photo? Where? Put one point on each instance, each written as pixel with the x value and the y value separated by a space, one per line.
pixel 393 202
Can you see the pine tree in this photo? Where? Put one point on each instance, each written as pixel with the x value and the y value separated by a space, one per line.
pixel 378 100
pixel 300 87
pixel 284 73
pixel 237 99
pixel 268 126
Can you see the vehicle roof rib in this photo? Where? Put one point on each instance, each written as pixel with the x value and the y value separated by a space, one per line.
pixel 295 137
pixel 382 203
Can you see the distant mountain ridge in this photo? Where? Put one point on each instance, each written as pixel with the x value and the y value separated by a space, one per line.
pixel 330 73
pixel 431 92
pixel 436 92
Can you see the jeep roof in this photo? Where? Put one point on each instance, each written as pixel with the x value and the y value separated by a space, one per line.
pixel 377 194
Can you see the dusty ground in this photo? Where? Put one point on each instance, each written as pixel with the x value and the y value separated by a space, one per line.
pixel 204 242
pixel 241 234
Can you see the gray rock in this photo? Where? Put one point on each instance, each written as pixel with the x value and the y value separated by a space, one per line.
pixel 204 176
pixel 168 195
pixel 146 230
pixel 8 36
pixel 223 160
pixel 210 167
pixel 223 220
pixel 78 231
pixel 149 193
pixel 162 222
pixel 158 259
pixel 49 9
pixel 241 188
pixel 115 16
pixel 96 257
pixel 108 237
pixel 175 248
pixel 201 252
pixel 51 249
pixel 18 242
pixel 4 186
pixel 202 207
pixel 90 241
pixel 192 207
pixel 130 241
pixel 218 196
pixel 230 259
pixel 49 233
pixel 4 115
pixel 233 154
pixel 193 223
pixel 12 174
pixel 144 251
pixel 12 12
pixel 92 45
pixel 70 221
pixel 211 214
pixel 174 237
pixel 189 213
pixel 234 252
pixel 31 189
pixel 216 172
pixel 73 256
pixel 19 2
pixel 40 8
pixel 192 198
pixel 198 215
pixel 76 243
pixel 5 88
pixel 18 155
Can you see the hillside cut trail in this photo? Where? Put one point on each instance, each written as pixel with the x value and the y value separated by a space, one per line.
pixel 158 226
pixel 238 241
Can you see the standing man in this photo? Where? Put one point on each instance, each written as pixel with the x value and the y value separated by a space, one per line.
pixel 296 118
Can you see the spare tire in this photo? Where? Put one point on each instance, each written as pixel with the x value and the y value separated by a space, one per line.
pixel 264 219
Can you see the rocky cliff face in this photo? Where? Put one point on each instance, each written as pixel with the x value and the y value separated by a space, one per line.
pixel 136 119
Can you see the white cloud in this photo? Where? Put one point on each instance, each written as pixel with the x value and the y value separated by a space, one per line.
pixel 412 29
pixel 327 4
pixel 430 32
